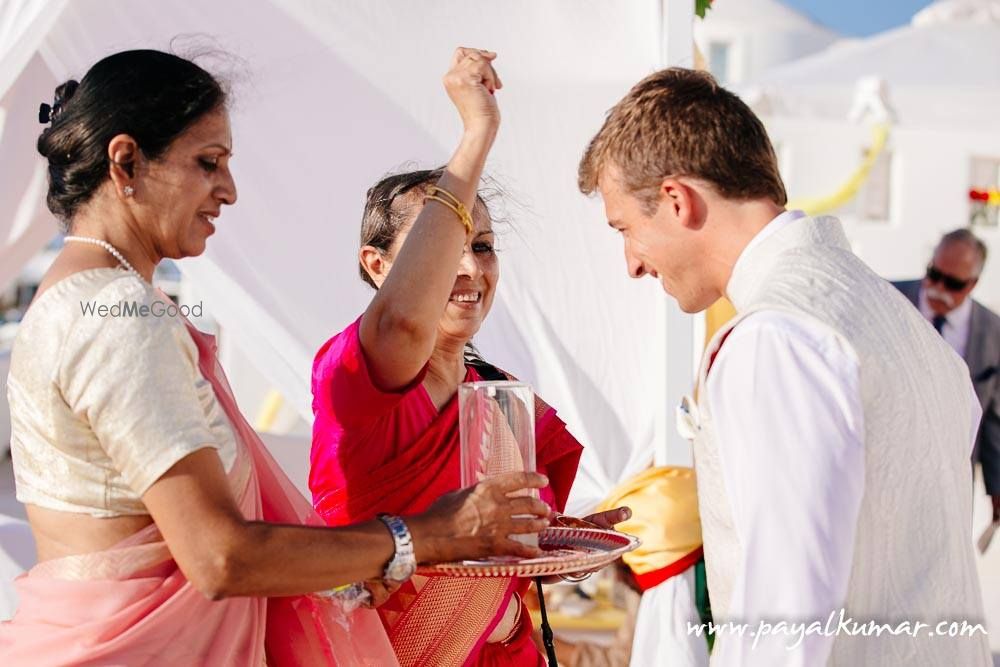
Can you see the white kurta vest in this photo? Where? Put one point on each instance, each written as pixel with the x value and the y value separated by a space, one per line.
pixel 913 558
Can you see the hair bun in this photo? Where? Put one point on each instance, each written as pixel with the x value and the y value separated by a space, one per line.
pixel 47 113
pixel 65 92
pixel 151 96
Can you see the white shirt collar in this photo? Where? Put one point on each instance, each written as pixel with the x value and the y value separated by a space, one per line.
pixel 783 220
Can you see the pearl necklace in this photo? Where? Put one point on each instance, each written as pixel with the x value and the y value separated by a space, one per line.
pixel 111 249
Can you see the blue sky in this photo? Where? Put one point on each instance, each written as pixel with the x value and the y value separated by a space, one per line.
pixel 859 17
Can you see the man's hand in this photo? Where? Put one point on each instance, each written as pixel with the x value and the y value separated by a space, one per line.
pixel 612 517
pixel 605 520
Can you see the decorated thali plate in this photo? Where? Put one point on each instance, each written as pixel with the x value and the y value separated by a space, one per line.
pixel 565 551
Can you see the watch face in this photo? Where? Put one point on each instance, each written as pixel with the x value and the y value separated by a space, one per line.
pixel 400 571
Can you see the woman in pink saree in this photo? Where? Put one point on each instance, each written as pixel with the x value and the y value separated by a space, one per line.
pixel 166 534
pixel 386 435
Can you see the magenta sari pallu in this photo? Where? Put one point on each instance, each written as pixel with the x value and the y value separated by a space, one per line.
pixel 131 604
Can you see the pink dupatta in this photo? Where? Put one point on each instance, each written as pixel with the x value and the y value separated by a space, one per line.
pixel 131 605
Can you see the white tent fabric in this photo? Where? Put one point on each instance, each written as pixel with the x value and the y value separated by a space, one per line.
pixel 328 97
pixel 947 11
pixel 940 77
pixel 23 26
pixel 758 35
pixel 24 225
pixel 4 410
pixel 17 554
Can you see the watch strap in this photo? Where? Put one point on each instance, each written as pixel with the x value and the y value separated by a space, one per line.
pixel 403 560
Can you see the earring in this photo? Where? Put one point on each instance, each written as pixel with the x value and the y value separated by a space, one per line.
pixel 128 190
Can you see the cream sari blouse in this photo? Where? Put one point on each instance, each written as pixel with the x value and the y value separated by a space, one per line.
pixel 102 406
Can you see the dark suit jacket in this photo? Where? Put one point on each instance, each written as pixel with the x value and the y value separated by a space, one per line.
pixel 982 354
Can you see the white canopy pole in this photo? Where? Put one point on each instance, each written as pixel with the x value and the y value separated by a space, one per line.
pixel 677 335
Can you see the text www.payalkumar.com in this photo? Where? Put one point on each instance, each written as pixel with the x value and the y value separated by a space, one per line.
pixel 838 623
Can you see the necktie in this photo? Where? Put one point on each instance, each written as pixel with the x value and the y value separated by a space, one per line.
pixel 939 322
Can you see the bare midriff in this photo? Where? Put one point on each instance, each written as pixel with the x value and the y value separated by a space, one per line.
pixel 506 624
pixel 58 534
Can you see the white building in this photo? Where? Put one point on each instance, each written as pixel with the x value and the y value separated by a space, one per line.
pixel 741 39
pixel 938 80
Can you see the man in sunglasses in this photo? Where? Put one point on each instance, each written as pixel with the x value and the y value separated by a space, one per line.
pixel 973 330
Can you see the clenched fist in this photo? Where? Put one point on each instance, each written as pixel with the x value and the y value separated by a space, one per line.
pixel 471 82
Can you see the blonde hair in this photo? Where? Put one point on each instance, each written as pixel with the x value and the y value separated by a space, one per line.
pixel 681 122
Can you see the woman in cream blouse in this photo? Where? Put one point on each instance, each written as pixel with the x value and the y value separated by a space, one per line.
pixel 166 534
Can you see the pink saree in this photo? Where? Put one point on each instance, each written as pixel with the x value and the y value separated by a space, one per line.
pixel 131 605
pixel 376 452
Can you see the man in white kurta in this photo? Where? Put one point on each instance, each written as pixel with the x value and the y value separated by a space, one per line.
pixel 832 426
pixel 782 425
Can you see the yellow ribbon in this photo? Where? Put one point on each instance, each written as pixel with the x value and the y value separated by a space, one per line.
pixel 849 189
pixel 268 412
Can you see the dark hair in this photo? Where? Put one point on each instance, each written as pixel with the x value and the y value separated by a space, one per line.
pixel 394 202
pixel 149 95
pixel 966 236
pixel 681 122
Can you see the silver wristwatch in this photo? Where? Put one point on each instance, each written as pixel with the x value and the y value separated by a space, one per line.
pixel 403 563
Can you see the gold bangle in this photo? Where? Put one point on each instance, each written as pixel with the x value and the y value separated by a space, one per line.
pixel 517 622
pixel 452 202
pixel 462 214
pixel 438 190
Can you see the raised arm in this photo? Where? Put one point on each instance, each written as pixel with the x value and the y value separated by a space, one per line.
pixel 224 555
pixel 399 327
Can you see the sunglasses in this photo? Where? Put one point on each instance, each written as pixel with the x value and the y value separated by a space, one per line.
pixel 950 283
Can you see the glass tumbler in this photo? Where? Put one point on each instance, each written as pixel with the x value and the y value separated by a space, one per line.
pixel 497 433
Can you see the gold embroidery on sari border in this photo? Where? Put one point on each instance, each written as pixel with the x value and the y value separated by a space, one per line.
pixel 437 621
pixel 444 623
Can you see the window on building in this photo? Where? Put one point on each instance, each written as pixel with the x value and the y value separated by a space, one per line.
pixel 718 61
pixel 984 178
pixel 873 202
